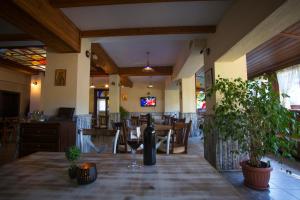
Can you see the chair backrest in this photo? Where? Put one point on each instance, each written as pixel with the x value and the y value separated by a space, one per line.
pixel 115 141
pixel 188 127
pixel 143 119
pixel 182 131
pixel 178 129
pixel 166 119
pixel 135 120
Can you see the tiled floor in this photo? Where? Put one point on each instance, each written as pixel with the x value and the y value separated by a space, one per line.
pixel 283 186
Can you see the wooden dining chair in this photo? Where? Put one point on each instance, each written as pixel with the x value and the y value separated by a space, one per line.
pixel 180 136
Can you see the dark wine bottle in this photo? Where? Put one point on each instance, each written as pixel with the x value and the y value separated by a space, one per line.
pixel 149 143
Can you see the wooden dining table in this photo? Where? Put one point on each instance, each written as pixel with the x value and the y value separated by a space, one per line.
pixel 44 175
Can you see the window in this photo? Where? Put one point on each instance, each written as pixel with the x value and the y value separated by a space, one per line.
pixel 289 84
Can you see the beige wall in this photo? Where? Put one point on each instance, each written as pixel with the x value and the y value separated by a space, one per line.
pixel 172 100
pixel 114 93
pixel 140 90
pixel 188 95
pixel 36 92
pixel 59 96
pixel 194 61
pixel 16 82
pixel 237 22
pixel 76 91
pixel 83 79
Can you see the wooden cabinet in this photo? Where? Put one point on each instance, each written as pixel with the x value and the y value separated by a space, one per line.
pixel 48 136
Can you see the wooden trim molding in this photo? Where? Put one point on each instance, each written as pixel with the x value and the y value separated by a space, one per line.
pixel 149 31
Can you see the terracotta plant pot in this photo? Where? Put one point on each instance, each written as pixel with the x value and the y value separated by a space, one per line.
pixel 256 178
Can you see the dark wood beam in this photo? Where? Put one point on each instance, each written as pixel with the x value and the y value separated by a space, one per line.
pixel 44 22
pixel 8 64
pixel 103 60
pixel 149 31
pixel 125 81
pixel 16 37
pixel 80 3
pixel 138 71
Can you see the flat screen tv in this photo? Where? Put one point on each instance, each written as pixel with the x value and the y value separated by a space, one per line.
pixel 9 104
pixel 148 101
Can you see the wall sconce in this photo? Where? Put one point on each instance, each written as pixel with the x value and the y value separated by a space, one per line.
pixel 88 53
pixel 34 83
pixel 205 50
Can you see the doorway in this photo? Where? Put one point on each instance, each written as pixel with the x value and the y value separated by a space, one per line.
pixel 101 108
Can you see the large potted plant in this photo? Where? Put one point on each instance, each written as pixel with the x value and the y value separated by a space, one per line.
pixel 250 113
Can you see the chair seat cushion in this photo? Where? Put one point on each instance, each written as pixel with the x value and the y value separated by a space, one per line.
pixel 179 149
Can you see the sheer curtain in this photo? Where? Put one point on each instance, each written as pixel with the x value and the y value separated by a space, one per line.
pixel 289 83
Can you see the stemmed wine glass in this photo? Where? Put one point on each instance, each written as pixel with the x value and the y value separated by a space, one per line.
pixel 134 140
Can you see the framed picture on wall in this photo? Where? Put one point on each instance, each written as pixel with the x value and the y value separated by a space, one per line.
pixel 208 79
pixel 60 77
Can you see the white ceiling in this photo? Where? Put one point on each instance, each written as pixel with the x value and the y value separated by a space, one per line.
pixel 188 13
pixel 131 51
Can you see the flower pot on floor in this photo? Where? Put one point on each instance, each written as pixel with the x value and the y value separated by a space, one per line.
pixel 256 178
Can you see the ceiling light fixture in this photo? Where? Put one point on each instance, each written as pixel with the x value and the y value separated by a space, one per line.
pixel 92 84
pixel 148 67
pixel 150 83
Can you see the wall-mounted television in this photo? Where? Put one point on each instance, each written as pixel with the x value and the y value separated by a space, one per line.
pixel 148 101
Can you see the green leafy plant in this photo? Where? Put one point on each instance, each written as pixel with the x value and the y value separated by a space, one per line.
pixel 124 114
pixel 250 113
pixel 73 154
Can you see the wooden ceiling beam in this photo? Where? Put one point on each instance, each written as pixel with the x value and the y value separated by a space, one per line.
pixel 103 60
pixel 44 22
pixel 149 31
pixel 290 35
pixel 138 71
pixel 81 3
pixel 8 64
pixel 125 81
pixel 16 37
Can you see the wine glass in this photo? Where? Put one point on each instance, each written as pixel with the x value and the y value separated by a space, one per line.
pixel 134 140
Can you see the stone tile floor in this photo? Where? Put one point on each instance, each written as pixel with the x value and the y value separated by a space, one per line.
pixel 283 186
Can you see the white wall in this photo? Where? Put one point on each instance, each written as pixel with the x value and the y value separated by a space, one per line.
pixel 140 90
pixel 16 82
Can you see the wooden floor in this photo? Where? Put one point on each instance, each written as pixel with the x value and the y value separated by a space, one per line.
pixel 44 176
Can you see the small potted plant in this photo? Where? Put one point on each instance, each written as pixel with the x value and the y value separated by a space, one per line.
pixel 72 155
pixel 250 113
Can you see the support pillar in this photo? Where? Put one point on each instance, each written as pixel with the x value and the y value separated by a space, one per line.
pixel 188 103
pixel 217 151
pixel 114 98
pixel 74 92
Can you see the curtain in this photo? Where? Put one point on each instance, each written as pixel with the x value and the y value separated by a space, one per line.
pixel 289 84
